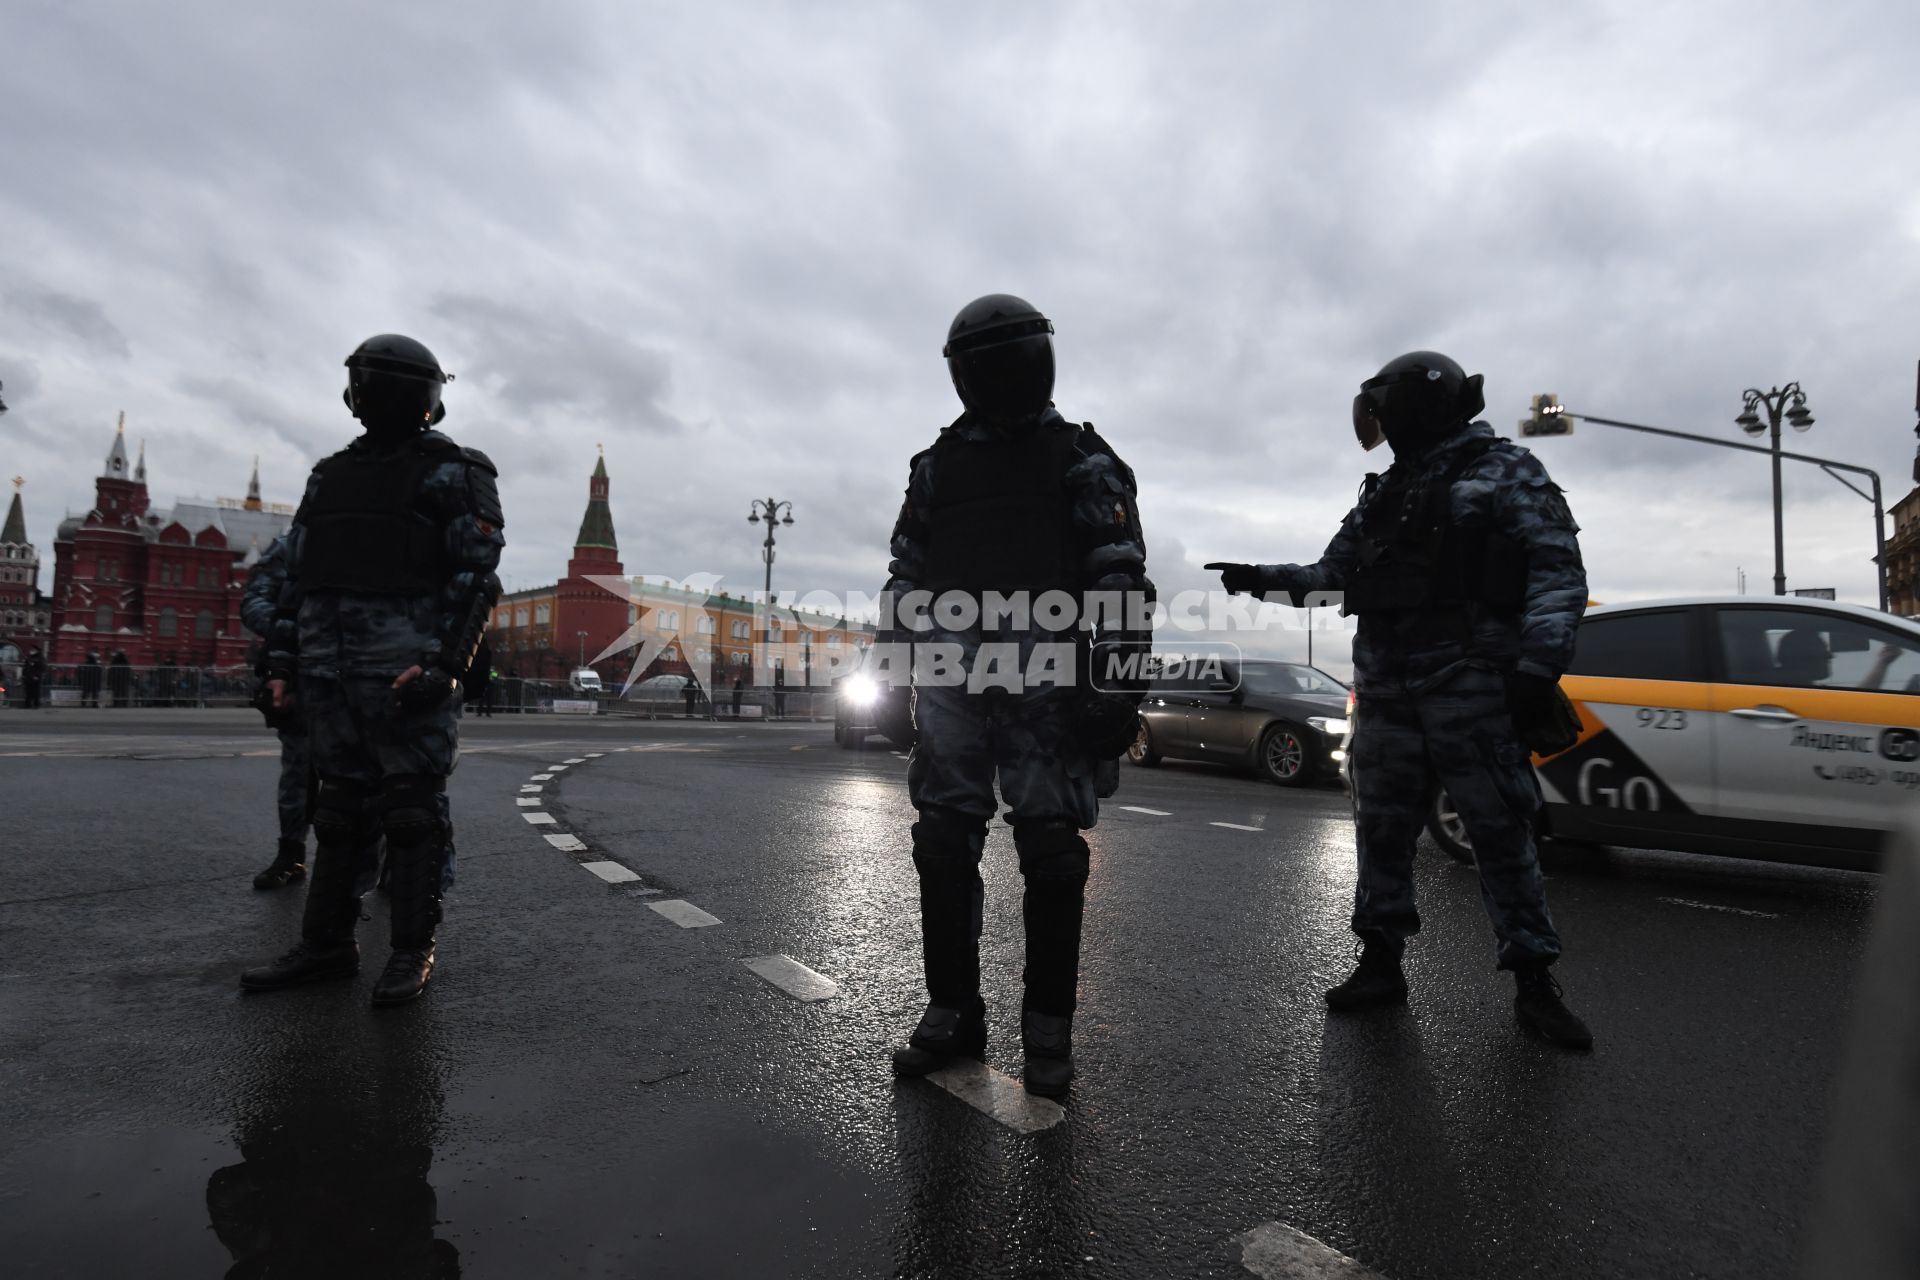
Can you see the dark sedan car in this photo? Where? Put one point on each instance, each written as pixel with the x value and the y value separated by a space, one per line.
pixel 1278 719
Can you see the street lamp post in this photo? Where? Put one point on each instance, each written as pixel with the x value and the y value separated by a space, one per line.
pixel 774 512
pixel 1551 418
pixel 1791 401
pixel 583 650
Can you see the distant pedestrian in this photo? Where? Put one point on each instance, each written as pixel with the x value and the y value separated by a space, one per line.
pixel 690 692
pixel 779 692
pixel 88 678
pixel 120 679
pixel 33 674
pixel 739 683
pixel 259 602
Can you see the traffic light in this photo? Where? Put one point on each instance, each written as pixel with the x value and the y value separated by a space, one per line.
pixel 1549 418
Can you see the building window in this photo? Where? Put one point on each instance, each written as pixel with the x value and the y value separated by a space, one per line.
pixel 520 616
pixel 833 640
pixel 169 625
pixel 203 625
pixel 667 620
pixel 633 614
pixel 540 614
pixel 704 624
pixel 103 618
pixel 741 631
pixel 108 570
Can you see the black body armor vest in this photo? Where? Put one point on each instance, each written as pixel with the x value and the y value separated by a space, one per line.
pixel 1000 518
pixel 364 530
pixel 1413 555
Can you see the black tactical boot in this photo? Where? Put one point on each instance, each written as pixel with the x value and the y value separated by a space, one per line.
pixel 288 866
pixel 1375 983
pixel 1541 1011
pixel 1047 1039
pixel 414 873
pixel 944 1036
pixel 326 948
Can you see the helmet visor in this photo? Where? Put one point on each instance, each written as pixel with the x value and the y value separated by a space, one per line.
pixel 1366 422
pixel 1007 381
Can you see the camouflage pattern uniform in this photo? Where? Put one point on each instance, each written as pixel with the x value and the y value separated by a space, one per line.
pixel 259 600
pixel 1431 699
pixel 1026 739
pixel 380 765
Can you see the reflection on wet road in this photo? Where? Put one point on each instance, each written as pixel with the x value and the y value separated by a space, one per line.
pixel 658 1041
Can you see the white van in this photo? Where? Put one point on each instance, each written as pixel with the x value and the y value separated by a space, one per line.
pixel 585 680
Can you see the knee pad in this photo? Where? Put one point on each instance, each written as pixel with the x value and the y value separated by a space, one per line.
pixel 410 805
pixel 947 843
pixel 340 811
pixel 1053 851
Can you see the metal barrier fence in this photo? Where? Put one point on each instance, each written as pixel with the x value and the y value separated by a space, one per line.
pixel 106 685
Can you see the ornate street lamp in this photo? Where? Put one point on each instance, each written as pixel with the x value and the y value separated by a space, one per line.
pixel 1791 402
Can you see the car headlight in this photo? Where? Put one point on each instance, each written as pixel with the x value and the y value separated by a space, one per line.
pixel 862 691
pixel 1332 726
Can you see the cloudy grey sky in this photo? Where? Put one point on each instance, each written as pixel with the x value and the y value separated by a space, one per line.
pixel 726 241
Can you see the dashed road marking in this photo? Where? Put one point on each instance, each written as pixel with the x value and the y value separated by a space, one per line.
pixel 801 747
pixel 1714 906
pixel 1158 813
pixel 611 872
pixel 539 777
pixel 595 755
pixel 557 768
pixel 1275 1251
pixel 1235 826
pixel 792 977
pixel 525 801
pixel 987 1091
pixel 533 786
pixel 684 914
pixel 578 760
pixel 567 843
pixel 539 816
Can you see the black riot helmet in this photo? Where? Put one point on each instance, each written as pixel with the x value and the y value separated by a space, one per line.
pixel 394 383
pixel 1001 358
pixel 1416 399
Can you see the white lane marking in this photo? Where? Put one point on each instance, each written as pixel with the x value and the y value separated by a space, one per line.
pixel 525 801
pixel 987 1091
pixel 539 777
pixel 1714 906
pixel 595 755
pixel 611 872
pixel 578 760
pixel 684 913
pixel 1276 1251
pixel 801 747
pixel 792 977
pixel 539 816
pixel 557 768
pixel 1235 826
pixel 1158 813
pixel 532 786
pixel 566 843
pixel 901 754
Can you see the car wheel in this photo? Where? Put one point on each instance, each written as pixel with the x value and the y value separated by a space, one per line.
pixel 1447 828
pixel 1142 752
pixel 1285 757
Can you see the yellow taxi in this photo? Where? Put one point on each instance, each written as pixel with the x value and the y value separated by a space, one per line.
pixel 1772 727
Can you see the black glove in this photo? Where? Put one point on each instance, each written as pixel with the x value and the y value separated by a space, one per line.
pixel 1543 716
pixel 1106 724
pixel 1237 578
pixel 433 686
pixel 893 716
pixel 262 701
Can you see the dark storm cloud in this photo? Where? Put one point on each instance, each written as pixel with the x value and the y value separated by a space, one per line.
pixel 59 315
pixel 728 248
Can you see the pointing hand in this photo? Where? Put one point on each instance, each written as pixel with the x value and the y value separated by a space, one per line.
pixel 1237 578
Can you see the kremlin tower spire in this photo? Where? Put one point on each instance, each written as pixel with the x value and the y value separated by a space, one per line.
pixel 115 467
pixel 253 487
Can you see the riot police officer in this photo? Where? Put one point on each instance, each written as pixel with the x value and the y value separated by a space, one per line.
pixel 392 552
pixel 1011 499
pixel 1464 570
pixel 259 601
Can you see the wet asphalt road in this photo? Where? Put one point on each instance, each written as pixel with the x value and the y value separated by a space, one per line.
pixel 590 1090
